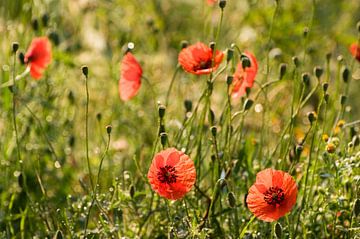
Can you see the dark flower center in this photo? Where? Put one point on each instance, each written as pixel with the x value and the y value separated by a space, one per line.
pixel 274 196
pixel 167 174
pixel 203 65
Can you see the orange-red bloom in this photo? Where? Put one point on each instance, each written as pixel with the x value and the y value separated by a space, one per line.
pixel 211 2
pixel 172 174
pixel 38 56
pixel 272 195
pixel 244 78
pixel 197 59
pixel 130 80
pixel 355 51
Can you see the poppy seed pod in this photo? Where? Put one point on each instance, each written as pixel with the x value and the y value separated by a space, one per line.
pixel 163 139
pixel 22 58
pixel 345 74
pixel 245 61
pixel 108 129
pixel 282 70
pixel 99 116
pixel 161 110
pixel 325 86
pixel 247 104
pixel 328 56
pixel 188 105
pixel 184 44
pixel 247 90
pixel 343 99
pixel 222 4
pixel 312 116
pixel 15 47
pixel 298 150
pixel 45 19
pixel 212 45
pixel 35 24
pixel 318 71
pixel 85 70
pixel 305 78
pixel 230 54
pixel 229 80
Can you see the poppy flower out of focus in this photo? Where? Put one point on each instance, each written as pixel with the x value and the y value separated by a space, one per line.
pixel 272 195
pixel 211 2
pixel 244 78
pixel 197 59
pixel 172 174
pixel 355 51
pixel 38 56
pixel 130 80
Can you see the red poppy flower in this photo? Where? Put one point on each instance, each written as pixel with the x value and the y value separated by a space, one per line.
pixel 244 78
pixel 38 56
pixel 355 51
pixel 211 2
pixel 130 80
pixel 272 195
pixel 197 59
pixel 172 174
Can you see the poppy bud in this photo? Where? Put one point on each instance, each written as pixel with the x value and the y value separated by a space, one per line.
pixel 340 58
pixel 296 61
pixel 35 24
pixel 213 158
pixel 231 199
pixel 72 141
pixel 212 45
pixel 58 235
pixel 85 70
pixel 343 99
pixel 222 4
pixel 15 47
pixel 229 80
pixel 247 91
pixel 245 61
pixel 357 207
pixel 22 58
pixel 318 71
pixel 306 31
pixel 312 116
pixel 278 230
pixel 230 54
pixel 163 139
pixel 325 86
pixel 358 26
pixel 248 103
pixel 213 131
pixel 188 105
pixel 345 74
pixel 184 44
pixel 21 180
pixel 328 56
pixel 132 191
pixel 299 149
pixel 330 148
pixel 45 19
pixel 355 140
pixel 326 98
pixel 108 129
pixel 306 78
pixel 54 37
pixel 161 109
pixel 99 116
pixel 211 117
pixel 282 70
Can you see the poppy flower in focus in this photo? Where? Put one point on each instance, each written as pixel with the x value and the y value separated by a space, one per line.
pixel 197 59
pixel 244 78
pixel 172 174
pixel 272 195
pixel 38 56
pixel 130 80
pixel 211 2
pixel 355 51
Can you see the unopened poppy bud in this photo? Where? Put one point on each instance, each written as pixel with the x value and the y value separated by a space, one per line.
pixel 99 116
pixel 211 117
pixel 245 61
pixel 230 54
pixel 340 58
pixel 15 47
pixel 306 78
pixel 35 24
pixel 85 70
pixel 306 31
pixel 299 148
pixel 58 235
pixel 326 98
pixel 345 74
pixel 45 19
pixel 318 71
pixel 328 56
pixel 229 80
pixel 213 158
pixel 21 180
pixel 247 91
pixel 108 129
pixel 330 148
pixel 22 58
pixel 54 37
pixel 278 230
pixel 163 139
pixel 282 70
pixel 296 61
pixel 231 199
pixel 162 110
pixel 188 105
pixel 355 140
pixel 72 141
pixel 184 44
pixel 222 4
pixel 343 99
pixel 213 130
pixel 132 191
pixel 325 86
pixel 312 116
pixel 248 103
pixel 357 207
pixel 212 45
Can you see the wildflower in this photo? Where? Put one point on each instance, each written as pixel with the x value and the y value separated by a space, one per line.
pixel 330 148
pixel 244 78
pixel 355 51
pixel 340 123
pixel 130 80
pixel 172 174
pixel 325 137
pixel 198 59
pixel 272 195
pixel 38 56
pixel 211 2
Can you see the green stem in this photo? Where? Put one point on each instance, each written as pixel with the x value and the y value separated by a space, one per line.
pixel 87 132
pixel 243 231
pixel 171 85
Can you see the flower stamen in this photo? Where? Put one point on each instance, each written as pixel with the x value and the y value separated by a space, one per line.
pixel 274 196
pixel 167 174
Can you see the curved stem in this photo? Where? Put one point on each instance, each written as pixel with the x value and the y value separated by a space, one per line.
pixel 171 85
pixel 243 231
pixel 87 132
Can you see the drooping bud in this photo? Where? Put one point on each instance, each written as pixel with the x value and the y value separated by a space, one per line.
pixel 247 91
pixel 282 70
pixel 222 4
pixel 318 71
pixel 231 199
pixel 345 74
pixel 15 47
pixel 85 70
pixel 247 104
pixel 230 54
pixel 108 129
pixel 278 230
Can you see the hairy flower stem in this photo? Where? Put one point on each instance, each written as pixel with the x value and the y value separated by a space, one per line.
pixel 87 132
pixel 243 231
pixel 171 85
